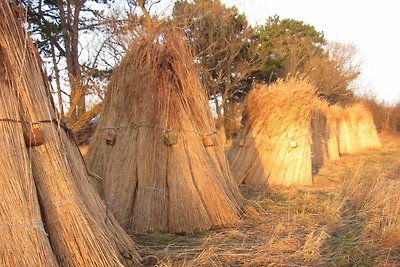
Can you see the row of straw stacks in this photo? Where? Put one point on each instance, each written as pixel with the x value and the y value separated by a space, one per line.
pixel 289 133
pixel 156 149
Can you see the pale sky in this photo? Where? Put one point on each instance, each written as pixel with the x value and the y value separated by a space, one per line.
pixel 372 26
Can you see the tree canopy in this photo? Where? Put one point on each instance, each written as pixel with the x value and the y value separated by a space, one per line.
pixel 56 27
pixel 222 43
pixel 293 47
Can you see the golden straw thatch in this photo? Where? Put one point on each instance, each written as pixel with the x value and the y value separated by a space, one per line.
pixel 50 216
pixel 349 142
pixel 356 129
pixel 284 137
pixel 156 147
pixel 366 130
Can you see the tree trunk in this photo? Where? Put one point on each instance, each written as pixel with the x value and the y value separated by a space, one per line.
pixel 58 85
pixel 146 14
pixel 70 28
pixel 81 107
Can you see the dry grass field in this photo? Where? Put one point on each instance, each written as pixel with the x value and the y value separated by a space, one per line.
pixel 349 217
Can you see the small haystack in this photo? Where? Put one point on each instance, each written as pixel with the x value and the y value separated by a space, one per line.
pixel 156 147
pixel 50 216
pixel 349 142
pixel 365 129
pixel 282 121
pixel 355 128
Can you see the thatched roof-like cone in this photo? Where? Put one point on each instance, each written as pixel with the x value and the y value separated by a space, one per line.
pixel 50 214
pixel 355 128
pixel 276 145
pixel 365 127
pixel 21 221
pixel 156 147
pixel 349 143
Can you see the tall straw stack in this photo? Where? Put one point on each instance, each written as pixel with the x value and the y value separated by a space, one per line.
pixel 156 147
pixel 365 127
pixel 275 147
pixel 50 214
pixel 22 243
pixel 356 128
pixel 349 142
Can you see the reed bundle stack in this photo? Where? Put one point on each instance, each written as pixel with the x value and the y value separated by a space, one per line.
pixel 156 146
pixel 349 142
pixel 366 131
pixel 277 146
pixel 50 216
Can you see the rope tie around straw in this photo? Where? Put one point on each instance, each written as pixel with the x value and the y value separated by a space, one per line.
pixel 155 189
pixel 64 201
pixel 56 122
pixel 139 125
pixel 269 140
pixel 59 202
pixel 151 189
pixel 30 122
pixel 275 139
pixel 38 224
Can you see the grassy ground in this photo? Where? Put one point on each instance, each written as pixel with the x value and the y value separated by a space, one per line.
pixel 349 217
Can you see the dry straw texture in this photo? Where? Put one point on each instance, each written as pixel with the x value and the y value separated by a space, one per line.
pixel 349 142
pixel 275 147
pixel 365 127
pixel 50 216
pixel 356 129
pixel 150 186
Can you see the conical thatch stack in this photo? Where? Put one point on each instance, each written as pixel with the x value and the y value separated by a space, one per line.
pixel 365 127
pixel 356 128
pixel 148 147
pixel 349 142
pixel 275 147
pixel 50 216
